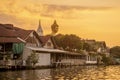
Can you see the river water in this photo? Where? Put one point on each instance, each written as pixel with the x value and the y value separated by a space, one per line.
pixel 73 73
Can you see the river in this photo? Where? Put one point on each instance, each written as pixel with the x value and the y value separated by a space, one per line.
pixel 73 73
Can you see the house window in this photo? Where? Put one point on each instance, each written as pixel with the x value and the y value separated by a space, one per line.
pixel 49 44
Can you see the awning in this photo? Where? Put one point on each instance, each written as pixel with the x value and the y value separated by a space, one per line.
pixel 57 51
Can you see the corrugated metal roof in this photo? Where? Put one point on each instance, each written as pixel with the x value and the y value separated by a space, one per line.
pixel 57 51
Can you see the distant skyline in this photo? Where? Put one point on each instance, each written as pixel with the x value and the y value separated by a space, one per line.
pixel 89 19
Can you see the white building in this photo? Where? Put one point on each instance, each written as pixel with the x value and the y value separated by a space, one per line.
pixel 42 42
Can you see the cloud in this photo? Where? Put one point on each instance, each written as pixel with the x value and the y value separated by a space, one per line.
pixel 64 7
pixel 60 11
pixel 21 9
pixel 68 11
pixel 25 13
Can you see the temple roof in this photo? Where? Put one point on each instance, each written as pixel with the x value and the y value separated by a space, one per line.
pixel 40 30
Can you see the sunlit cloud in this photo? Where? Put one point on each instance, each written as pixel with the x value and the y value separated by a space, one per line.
pixel 86 21
pixel 18 9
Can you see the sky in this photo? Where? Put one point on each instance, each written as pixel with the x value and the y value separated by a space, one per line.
pixel 89 19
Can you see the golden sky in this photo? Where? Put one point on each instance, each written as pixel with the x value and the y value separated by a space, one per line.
pixel 89 19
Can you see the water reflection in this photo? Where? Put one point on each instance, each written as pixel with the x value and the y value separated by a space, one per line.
pixel 73 73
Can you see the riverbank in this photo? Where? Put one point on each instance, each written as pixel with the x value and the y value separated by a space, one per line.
pixel 17 68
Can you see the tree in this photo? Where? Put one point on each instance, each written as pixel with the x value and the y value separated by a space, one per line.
pixel 107 60
pixel 86 47
pixel 115 52
pixel 90 47
pixel 69 42
pixel 32 59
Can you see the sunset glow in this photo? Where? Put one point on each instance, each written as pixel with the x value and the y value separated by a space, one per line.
pixel 89 19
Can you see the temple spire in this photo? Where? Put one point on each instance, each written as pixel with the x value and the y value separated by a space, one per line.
pixel 39 22
pixel 40 30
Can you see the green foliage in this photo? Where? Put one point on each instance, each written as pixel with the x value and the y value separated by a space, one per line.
pixel 87 47
pixel 107 60
pixel 90 47
pixel 115 52
pixel 32 59
pixel 69 42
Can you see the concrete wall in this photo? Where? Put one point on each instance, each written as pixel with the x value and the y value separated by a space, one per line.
pixel 27 52
pixel 44 59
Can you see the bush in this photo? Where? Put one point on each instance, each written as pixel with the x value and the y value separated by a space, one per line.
pixel 32 59
pixel 107 60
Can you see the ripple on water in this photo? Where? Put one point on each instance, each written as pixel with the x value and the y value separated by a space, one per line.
pixel 73 73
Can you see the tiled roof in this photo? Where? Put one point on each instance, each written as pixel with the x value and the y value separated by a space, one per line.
pixel 30 40
pixel 9 40
pixel 8 33
pixel 5 32
pixel 44 39
pixel 23 33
